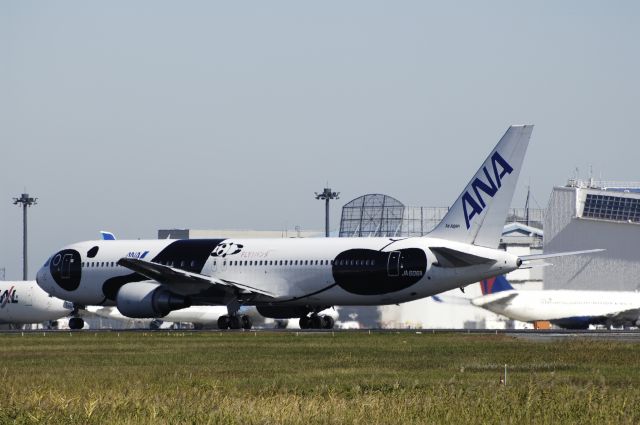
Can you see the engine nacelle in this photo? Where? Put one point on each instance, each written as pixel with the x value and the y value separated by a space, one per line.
pixel 147 300
pixel 283 312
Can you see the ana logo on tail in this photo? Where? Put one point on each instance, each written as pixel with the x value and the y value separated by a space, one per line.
pixel 477 204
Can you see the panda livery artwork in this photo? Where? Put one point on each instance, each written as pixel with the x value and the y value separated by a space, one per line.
pixel 300 277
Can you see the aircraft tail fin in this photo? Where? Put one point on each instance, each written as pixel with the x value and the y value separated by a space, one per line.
pixel 495 284
pixel 478 215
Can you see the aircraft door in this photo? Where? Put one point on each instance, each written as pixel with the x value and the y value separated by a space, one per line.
pixel 65 272
pixel 393 264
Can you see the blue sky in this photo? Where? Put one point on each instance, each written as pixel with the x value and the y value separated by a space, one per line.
pixel 134 116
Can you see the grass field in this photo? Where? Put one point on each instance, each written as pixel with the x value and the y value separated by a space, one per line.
pixel 268 378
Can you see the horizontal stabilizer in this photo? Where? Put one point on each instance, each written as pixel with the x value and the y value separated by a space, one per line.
pixel 451 299
pixel 534 257
pixel 448 257
pixel 497 298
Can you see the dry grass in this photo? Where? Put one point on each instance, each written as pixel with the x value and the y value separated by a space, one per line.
pixel 357 378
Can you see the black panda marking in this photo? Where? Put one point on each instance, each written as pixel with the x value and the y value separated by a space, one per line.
pixel 193 253
pixel 66 270
pixel 371 272
pixel 227 248
pixel 92 252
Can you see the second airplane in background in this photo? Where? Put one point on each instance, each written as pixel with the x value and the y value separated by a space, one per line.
pixel 569 309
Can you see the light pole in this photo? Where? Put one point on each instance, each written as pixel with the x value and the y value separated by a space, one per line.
pixel 327 195
pixel 26 201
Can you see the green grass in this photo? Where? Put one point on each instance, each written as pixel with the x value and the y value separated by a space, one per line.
pixel 267 378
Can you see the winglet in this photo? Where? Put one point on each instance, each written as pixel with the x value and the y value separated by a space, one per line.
pixel 477 217
pixel 107 236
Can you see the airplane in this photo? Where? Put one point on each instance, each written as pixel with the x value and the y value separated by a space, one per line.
pixel 298 278
pixel 569 309
pixel 200 316
pixel 24 302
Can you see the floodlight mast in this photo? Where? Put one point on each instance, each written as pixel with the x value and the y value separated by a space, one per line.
pixel 25 201
pixel 327 195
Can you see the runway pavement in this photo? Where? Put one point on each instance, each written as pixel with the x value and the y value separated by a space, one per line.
pixel 528 334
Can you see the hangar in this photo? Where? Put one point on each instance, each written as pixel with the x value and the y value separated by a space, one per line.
pixel 588 214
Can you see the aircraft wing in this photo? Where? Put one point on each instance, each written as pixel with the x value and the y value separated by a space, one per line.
pixel 171 276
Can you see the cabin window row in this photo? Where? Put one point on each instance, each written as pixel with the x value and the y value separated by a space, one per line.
pixel 98 264
pixel 297 263
pixel 275 263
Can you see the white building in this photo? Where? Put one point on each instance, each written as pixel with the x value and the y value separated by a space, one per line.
pixel 590 214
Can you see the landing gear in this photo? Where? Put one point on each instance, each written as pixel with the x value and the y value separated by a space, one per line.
pixel 316 321
pixel 235 322
pixel 328 322
pixel 76 323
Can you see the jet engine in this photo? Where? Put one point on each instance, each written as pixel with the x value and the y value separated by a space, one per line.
pixel 148 300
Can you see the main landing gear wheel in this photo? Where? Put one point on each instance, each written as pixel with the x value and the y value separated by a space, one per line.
pixel 316 322
pixel 76 323
pixel 327 322
pixel 234 322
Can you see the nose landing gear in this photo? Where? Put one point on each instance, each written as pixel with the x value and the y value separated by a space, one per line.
pixel 76 322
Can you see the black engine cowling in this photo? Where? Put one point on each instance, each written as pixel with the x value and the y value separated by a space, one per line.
pixel 143 300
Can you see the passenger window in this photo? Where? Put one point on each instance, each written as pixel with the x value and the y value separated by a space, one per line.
pixel 193 264
pixel 260 262
pixel 182 263
pixel 224 263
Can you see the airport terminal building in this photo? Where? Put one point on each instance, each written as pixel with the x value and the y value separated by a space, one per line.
pixel 594 214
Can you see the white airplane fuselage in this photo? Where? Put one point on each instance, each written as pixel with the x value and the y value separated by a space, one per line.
pixel 24 302
pixel 570 306
pixel 292 277
pixel 313 271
